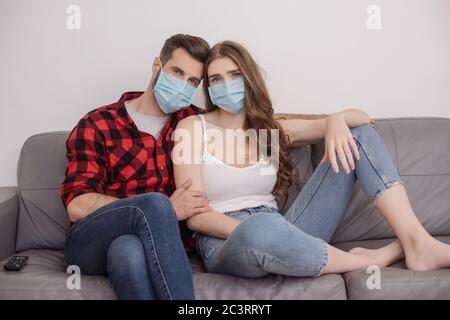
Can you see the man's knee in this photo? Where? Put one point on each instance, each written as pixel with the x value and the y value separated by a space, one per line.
pixel 126 250
pixel 153 198
pixel 156 206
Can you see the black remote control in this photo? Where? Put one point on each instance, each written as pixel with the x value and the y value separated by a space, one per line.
pixel 15 263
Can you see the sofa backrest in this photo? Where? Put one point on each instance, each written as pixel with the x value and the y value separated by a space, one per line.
pixel 420 148
pixel 42 217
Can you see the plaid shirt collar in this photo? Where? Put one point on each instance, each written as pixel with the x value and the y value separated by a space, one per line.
pixel 123 113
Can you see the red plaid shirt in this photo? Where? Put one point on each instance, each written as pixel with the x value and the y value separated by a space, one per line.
pixel 107 154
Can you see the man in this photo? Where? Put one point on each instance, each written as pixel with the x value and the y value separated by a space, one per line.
pixel 119 180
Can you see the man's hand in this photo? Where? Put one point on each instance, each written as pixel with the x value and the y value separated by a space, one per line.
pixel 188 203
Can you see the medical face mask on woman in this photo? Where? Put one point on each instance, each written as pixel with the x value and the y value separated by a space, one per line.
pixel 228 95
pixel 172 94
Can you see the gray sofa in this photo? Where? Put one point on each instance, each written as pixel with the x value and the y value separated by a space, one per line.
pixel 33 222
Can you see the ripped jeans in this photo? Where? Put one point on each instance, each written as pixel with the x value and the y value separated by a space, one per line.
pixel 296 244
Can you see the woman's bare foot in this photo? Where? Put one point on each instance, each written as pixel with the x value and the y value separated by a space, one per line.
pixel 427 254
pixel 383 256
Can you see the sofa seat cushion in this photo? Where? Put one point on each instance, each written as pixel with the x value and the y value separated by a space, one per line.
pixel 396 282
pixel 225 287
pixel 44 277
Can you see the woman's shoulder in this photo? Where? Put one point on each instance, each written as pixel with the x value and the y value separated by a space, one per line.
pixel 191 127
pixel 189 122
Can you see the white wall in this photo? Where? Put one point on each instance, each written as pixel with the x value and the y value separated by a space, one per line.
pixel 319 56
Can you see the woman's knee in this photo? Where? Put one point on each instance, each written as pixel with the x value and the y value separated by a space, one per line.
pixel 258 230
pixel 363 131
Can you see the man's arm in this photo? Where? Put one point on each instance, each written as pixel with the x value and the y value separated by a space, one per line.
pixel 83 205
pixel 82 188
pixel 308 131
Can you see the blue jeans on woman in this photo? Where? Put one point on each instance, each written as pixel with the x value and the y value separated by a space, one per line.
pixel 136 242
pixel 295 244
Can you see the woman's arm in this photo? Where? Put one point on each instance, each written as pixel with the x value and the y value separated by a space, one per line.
pixel 213 223
pixel 302 131
pixel 335 129
pixel 356 117
pixel 186 155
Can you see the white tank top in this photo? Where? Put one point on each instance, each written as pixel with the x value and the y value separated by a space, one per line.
pixel 230 188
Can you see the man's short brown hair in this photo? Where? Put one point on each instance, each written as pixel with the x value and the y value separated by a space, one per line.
pixel 197 47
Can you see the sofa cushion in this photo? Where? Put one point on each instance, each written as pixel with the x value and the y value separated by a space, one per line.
pixel 9 207
pixel 210 286
pixel 44 277
pixel 396 282
pixel 420 148
pixel 42 219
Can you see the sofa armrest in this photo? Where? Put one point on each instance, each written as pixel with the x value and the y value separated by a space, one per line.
pixel 9 209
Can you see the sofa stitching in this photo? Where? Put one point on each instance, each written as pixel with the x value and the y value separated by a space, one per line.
pixel 395 145
pixel 354 279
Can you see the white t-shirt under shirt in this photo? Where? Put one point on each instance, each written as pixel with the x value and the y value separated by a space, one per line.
pixel 145 123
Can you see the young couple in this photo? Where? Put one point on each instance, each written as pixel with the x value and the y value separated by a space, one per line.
pixel 125 197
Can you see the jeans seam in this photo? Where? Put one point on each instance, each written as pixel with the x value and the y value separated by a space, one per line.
pixel 370 161
pixel 386 184
pixel 395 143
pixel 149 231
pixel 312 196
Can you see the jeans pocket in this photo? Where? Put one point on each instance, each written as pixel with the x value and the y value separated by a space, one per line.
pixel 207 245
pixel 238 214
pixel 265 209
pixel 272 210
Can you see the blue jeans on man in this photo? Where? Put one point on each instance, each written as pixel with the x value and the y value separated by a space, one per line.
pixel 136 242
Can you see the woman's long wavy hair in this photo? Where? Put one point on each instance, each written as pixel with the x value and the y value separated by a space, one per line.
pixel 258 109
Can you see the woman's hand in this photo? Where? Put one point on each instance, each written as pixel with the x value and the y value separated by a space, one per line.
pixel 339 140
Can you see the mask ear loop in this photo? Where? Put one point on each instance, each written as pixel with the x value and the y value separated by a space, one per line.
pixel 159 72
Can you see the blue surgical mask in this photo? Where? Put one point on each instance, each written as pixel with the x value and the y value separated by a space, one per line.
pixel 172 94
pixel 228 95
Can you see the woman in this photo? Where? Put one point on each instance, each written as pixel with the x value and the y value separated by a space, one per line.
pixel 244 234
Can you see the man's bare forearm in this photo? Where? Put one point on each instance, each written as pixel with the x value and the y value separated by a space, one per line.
pixel 213 223
pixel 87 203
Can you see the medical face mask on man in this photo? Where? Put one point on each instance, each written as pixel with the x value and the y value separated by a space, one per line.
pixel 228 95
pixel 172 94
